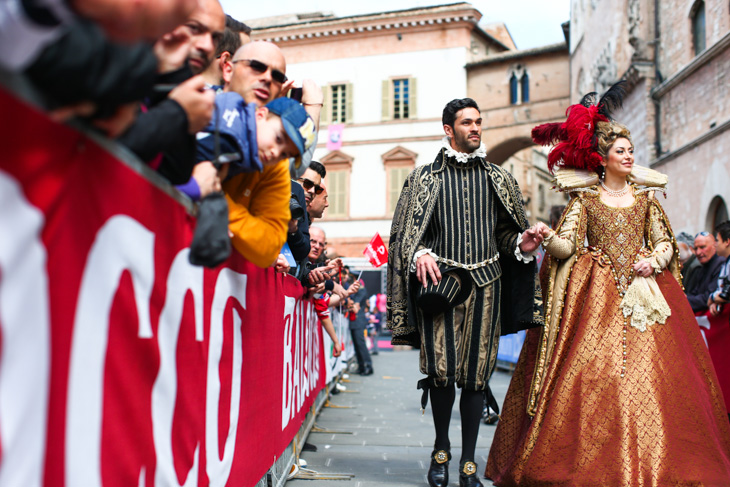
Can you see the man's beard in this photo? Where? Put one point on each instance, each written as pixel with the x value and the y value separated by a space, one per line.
pixel 467 145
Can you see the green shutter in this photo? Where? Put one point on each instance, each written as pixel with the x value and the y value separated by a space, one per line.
pixel 324 114
pixel 412 98
pixel 348 103
pixel 387 113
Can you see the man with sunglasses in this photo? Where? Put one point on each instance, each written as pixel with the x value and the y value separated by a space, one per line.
pixel 258 202
pixel 308 186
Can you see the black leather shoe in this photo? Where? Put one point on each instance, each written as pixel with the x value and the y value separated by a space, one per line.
pixel 438 473
pixel 367 371
pixel 468 475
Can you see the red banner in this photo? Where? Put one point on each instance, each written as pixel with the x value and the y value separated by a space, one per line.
pixel 120 363
pixel 376 251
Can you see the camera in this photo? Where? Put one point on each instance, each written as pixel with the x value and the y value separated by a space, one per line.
pixel 296 210
pixel 725 291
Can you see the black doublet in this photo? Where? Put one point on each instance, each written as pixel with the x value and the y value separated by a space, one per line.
pixel 463 224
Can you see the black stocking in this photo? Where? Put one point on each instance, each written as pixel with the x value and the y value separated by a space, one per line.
pixel 442 402
pixel 471 406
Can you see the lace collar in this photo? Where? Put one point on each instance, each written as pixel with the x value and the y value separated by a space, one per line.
pixel 463 157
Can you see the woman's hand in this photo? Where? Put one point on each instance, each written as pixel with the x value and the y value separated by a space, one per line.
pixel 643 268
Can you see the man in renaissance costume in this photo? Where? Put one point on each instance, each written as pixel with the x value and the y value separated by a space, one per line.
pixel 460 273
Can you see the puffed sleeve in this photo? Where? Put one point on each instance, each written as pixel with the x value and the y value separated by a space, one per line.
pixel 561 244
pixel 661 240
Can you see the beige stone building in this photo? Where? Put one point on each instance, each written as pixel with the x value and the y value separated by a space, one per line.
pixel 386 78
pixel 675 56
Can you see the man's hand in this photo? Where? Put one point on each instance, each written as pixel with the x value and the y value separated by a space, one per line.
pixel 341 291
pixel 354 287
pixel 715 309
pixel 281 264
pixel 317 276
pixel 337 350
pixel 173 49
pixel 531 239
pixel 426 266
pixel 196 101
pixel 206 175
pixel 293 225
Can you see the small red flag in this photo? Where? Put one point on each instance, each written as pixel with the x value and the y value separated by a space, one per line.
pixel 376 251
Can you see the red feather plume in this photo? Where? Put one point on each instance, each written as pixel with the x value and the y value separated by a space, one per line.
pixel 574 140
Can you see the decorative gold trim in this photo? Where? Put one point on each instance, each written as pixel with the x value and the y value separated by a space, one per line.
pixel 470 468
pixel 441 457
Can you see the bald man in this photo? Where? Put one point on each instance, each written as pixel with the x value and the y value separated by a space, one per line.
pixel 259 202
pixel 703 281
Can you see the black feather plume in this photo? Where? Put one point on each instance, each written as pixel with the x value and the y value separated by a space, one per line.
pixel 612 100
pixel 589 99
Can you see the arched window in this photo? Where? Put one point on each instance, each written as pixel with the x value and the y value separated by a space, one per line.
pixel 513 90
pixel 698 26
pixel 717 213
pixel 525 85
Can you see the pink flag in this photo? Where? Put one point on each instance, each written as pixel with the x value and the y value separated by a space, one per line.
pixel 334 136
pixel 376 252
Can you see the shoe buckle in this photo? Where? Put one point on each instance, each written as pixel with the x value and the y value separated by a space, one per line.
pixel 470 468
pixel 441 457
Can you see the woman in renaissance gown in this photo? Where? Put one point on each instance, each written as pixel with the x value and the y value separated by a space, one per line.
pixel 618 389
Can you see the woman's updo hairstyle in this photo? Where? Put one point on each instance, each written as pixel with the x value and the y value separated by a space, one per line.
pixel 606 135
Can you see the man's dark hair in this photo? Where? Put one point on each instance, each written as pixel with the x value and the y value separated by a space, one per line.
pixel 455 106
pixel 723 229
pixel 318 167
pixel 237 26
pixel 231 40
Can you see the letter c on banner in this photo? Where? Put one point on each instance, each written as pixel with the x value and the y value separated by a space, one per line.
pixel 25 339
pixel 229 284
pixel 182 277
pixel 121 244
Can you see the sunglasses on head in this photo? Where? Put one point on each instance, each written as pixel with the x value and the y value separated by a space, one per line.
pixel 703 234
pixel 308 184
pixel 260 67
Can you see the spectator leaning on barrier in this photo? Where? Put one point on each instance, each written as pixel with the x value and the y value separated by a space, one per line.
pixel 164 133
pixel 703 281
pixel 259 202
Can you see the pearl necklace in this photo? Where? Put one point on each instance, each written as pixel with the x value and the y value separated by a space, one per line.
pixel 614 193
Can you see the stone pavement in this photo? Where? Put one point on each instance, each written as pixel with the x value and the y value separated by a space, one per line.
pixel 390 441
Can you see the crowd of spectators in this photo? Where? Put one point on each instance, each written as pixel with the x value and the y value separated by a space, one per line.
pixel 183 87
pixel 706 277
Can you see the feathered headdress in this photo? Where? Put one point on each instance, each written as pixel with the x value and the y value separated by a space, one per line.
pixel 574 140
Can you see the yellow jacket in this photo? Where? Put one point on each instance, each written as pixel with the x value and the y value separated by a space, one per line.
pixel 258 210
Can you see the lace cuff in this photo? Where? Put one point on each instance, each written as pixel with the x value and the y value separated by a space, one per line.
pixel 527 256
pixel 660 257
pixel 420 253
pixel 644 303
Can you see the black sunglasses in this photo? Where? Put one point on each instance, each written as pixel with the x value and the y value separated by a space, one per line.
pixel 308 184
pixel 260 67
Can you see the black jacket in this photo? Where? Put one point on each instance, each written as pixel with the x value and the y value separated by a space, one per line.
pixel 162 128
pixel 702 282
pixel 83 65
pixel 299 241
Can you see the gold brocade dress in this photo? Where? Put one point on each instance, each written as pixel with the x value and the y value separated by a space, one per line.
pixel 609 404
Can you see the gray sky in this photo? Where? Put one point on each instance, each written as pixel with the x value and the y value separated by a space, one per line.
pixel 532 23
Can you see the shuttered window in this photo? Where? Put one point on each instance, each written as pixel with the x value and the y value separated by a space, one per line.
pixel 337 193
pixel 399 99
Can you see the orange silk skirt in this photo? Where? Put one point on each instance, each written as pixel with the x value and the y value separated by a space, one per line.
pixel 664 423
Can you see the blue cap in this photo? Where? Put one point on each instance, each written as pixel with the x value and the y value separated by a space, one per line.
pixel 298 124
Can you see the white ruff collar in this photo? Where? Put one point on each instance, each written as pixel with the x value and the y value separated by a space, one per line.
pixel 463 157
